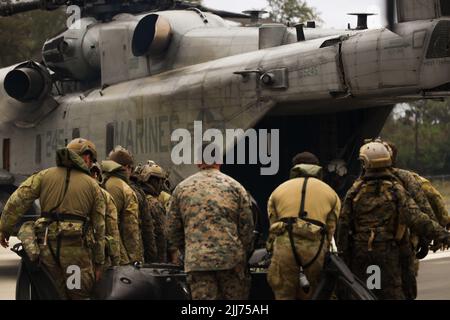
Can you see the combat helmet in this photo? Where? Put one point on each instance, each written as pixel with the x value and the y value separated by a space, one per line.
pixel 122 156
pixel 375 155
pixel 81 146
pixel 152 170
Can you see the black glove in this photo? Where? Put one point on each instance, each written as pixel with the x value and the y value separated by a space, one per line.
pixel 443 242
pixel 423 249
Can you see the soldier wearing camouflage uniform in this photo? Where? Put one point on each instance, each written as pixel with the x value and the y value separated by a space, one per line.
pixel 71 229
pixel 112 234
pixel 117 171
pixel 210 222
pixel 312 227
pixel 375 219
pixel 146 218
pixel 152 177
pixel 430 202
pixel 426 196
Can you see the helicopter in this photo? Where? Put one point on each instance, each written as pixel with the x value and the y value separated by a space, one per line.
pixel 131 72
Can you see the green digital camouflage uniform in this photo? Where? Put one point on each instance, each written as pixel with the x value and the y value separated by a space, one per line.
pixel 158 213
pixel 374 222
pixel 81 245
pixel 111 232
pixel 148 227
pixel 210 221
pixel 116 183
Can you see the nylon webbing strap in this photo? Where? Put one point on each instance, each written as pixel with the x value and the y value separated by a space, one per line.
pixel 302 214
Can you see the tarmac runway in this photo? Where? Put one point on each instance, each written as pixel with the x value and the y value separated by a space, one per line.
pixel 434 275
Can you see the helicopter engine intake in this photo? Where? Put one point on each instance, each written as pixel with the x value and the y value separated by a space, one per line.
pixel 28 82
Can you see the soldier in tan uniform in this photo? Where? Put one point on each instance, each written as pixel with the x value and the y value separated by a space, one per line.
pixel 117 171
pixel 152 178
pixel 375 220
pixel 210 222
pixel 303 214
pixel 71 229
pixel 112 234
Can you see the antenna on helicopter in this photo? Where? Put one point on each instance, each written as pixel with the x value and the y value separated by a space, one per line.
pixel 255 15
pixel 362 20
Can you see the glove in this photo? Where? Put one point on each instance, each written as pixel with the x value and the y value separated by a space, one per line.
pixel 4 239
pixel 423 249
pixel 443 242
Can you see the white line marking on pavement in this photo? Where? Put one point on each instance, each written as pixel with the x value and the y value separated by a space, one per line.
pixel 437 255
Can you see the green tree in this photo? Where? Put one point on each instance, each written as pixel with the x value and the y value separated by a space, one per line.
pixel 421 130
pixel 291 11
pixel 22 35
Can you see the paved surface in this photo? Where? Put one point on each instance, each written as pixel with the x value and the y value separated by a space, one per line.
pixel 434 275
pixel 8 271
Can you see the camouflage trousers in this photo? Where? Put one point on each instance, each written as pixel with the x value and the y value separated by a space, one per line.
pixel 72 254
pixel 385 255
pixel 283 274
pixel 410 266
pixel 220 285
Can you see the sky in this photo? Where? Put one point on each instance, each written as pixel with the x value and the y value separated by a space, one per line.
pixel 332 12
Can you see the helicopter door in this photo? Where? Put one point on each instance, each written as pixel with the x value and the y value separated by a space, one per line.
pixel 6 154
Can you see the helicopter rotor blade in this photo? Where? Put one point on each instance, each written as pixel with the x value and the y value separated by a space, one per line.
pixel 220 13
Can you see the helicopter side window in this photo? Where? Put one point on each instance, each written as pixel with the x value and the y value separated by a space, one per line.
pixel 38 155
pixel 445 7
pixel 109 137
pixel 75 133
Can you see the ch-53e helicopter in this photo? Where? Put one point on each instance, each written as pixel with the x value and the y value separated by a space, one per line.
pixel 130 72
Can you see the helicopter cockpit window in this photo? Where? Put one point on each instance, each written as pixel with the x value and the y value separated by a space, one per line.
pixel 445 7
pixel 38 155
pixel 75 133
pixel 109 137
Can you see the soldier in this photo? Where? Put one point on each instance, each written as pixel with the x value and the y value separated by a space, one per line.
pixel 145 217
pixel 303 214
pixel 117 171
pixel 430 202
pixel 112 234
pixel 71 229
pixel 210 222
pixel 153 177
pixel 376 215
pixel 426 196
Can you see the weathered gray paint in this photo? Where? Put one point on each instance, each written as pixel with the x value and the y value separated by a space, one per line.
pixel 196 80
